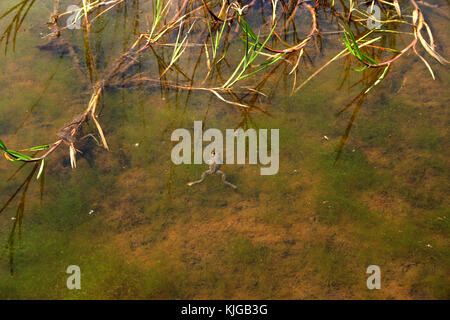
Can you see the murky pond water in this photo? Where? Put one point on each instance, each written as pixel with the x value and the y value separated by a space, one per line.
pixel 363 178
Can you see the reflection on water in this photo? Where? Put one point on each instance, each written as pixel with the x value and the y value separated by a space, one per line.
pixel 363 157
pixel 18 218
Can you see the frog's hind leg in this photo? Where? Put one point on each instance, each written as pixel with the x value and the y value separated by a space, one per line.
pixel 204 174
pixel 224 177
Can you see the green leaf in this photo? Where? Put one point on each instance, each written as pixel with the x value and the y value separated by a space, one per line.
pixel 39 148
pixel 361 69
pixel 18 155
pixel 262 67
pixel 246 28
pixel 353 47
pixel 2 146
pixel 383 74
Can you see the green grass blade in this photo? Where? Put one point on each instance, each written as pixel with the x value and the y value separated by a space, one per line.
pixel 18 155
pixel 39 148
pixel 2 146
pixel 380 78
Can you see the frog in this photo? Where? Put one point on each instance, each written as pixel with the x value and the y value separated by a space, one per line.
pixel 215 162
